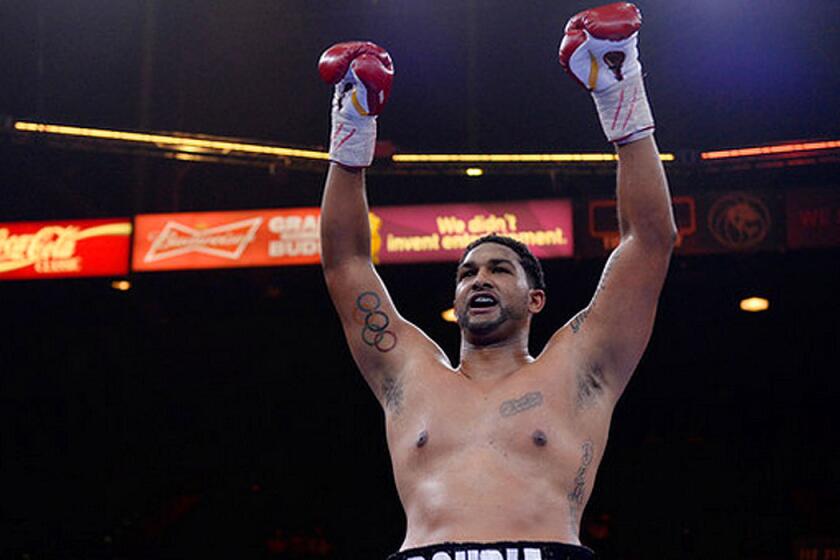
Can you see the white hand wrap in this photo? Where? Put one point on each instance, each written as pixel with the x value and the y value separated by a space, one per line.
pixel 611 71
pixel 624 110
pixel 353 137
pixel 353 141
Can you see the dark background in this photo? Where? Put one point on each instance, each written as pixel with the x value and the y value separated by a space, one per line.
pixel 218 413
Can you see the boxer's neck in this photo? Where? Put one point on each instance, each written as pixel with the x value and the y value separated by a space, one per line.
pixel 488 362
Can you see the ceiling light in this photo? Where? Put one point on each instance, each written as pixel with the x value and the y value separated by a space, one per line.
pixel 169 141
pixel 754 304
pixel 449 315
pixel 121 285
pixel 771 150
pixel 511 158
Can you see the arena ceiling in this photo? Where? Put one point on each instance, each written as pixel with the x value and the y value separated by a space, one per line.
pixel 469 75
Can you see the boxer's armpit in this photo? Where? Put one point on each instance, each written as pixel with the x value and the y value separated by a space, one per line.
pixel 590 386
pixel 521 404
pixel 392 394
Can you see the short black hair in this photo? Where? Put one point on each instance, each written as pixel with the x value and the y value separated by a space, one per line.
pixel 532 266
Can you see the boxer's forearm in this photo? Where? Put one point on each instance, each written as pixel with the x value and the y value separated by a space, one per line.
pixel 600 50
pixel 345 229
pixel 643 199
pixel 361 73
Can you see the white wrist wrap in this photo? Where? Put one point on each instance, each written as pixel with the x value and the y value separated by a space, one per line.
pixel 353 140
pixel 624 110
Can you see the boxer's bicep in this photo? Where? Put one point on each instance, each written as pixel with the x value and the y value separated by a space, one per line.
pixel 383 343
pixel 610 334
pixel 616 326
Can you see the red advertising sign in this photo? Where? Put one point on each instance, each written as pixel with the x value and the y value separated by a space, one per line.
pixel 813 218
pixel 64 249
pixel 603 220
pixel 708 223
pixel 406 234
pixel 226 239
pixel 399 234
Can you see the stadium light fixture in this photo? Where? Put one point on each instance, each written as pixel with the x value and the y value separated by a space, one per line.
pixel 188 144
pixel 121 285
pixel 511 158
pixel 778 149
pixel 754 304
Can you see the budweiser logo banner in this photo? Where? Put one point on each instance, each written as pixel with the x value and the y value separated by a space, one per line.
pixel 399 234
pixel 226 239
pixel 64 249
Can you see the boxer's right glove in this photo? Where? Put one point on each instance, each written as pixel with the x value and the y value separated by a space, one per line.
pixel 362 73
pixel 599 51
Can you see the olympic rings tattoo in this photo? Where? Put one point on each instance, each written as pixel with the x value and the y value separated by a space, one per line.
pixel 376 322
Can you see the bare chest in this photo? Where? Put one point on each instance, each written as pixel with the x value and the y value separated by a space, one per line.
pixel 520 419
pixel 527 419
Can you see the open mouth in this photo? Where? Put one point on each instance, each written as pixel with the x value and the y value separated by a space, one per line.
pixel 482 301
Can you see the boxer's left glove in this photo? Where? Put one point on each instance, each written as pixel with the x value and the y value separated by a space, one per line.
pixel 599 49
pixel 362 73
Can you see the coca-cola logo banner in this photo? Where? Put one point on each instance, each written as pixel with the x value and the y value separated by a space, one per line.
pixel 226 239
pixel 71 248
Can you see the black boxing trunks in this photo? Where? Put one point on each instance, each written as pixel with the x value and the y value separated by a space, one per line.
pixel 506 550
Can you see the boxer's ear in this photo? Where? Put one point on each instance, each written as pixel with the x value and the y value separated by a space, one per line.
pixel 536 300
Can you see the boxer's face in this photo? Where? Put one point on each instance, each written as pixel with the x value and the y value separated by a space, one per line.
pixel 492 295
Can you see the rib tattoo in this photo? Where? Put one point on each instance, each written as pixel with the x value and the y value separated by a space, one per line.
pixel 576 496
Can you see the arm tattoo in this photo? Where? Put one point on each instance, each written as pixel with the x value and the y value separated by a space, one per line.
pixel 375 330
pixel 578 320
pixel 523 403
pixel 392 393
pixel 579 491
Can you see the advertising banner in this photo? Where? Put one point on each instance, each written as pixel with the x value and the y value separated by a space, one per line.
pixel 399 234
pixel 61 249
pixel 813 218
pixel 709 223
pixel 408 234
pixel 226 239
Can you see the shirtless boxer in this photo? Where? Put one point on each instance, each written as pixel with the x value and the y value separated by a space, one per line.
pixel 495 459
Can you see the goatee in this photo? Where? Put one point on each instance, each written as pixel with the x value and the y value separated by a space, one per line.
pixel 481 328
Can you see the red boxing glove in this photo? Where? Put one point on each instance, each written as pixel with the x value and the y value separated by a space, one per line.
pixel 599 50
pixel 371 67
pixel 362 73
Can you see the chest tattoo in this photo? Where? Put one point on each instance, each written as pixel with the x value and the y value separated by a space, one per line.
pixel 523 403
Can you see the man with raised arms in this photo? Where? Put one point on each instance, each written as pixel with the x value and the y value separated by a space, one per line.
pixel 495 459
